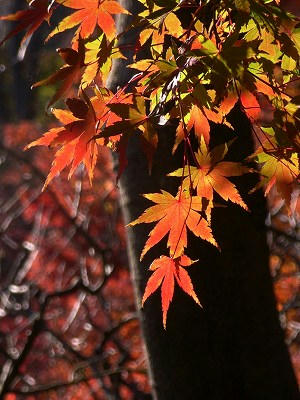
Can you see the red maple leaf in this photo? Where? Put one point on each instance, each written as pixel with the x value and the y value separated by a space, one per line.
pixel 165 271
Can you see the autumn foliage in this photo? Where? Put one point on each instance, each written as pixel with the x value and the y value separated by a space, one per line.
pixel 241 53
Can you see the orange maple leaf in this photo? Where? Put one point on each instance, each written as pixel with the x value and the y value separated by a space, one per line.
pixel 200 123
pixel 228 103
pixel 250 105
pixel 76 138
pixel 174 215
pixel 90 14
pixel 30 19
pixel 211 174
pixel 165 271
pixel 199 118
pixel 73 139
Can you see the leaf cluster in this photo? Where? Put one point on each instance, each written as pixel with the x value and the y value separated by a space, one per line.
pixel 203 59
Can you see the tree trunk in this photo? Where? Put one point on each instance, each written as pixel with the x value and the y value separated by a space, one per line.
pixel 234 347
pixel 17 101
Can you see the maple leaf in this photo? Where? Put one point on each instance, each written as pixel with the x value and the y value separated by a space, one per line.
pixel 279 172
pixel 168 23
pixel 165 271
pixel 77 139
pixel 211 174
pixel 174 216
pixel 98 61
pixel 263 86
pixel 73 139
pixel 134 116
pixel 227 104
pixel 29 19
pixel 89 14
pixel 199 122
pixel 69 74
pixel 199 117
pixel 250 105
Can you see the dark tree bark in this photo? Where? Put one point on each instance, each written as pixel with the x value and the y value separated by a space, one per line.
pixel 20 69
pixel 234 347
pixel 17 100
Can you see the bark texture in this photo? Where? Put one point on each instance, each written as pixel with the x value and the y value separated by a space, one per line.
pixel 234 347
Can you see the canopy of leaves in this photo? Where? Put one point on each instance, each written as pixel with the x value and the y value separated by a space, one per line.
pixel 225 53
